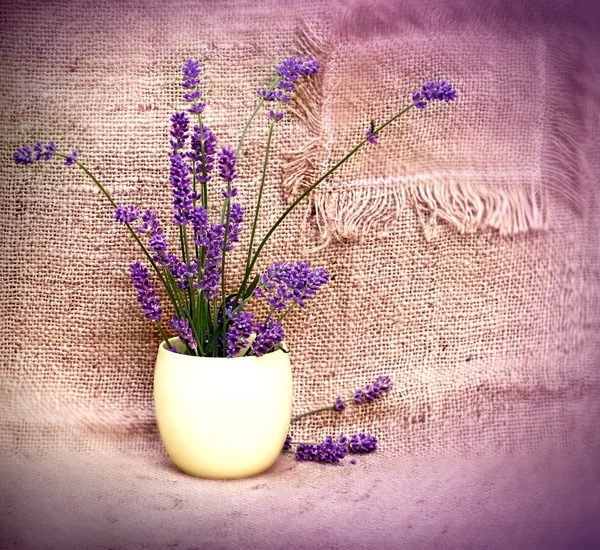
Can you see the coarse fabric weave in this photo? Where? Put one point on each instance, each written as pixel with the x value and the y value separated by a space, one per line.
pixel 463 249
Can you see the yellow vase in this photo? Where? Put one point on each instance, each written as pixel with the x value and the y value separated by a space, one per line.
pixel 222 418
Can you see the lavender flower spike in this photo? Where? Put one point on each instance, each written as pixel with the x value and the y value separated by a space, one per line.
pixel 227 161
pixel 147 299
pixel 191 71
pixel 28 155
pixel 267 336
pixel 362 443
pixel 71 158
pixel 126 214
pixel 239 332
pixel 373 391
pixel 179 127
pixel 182 328
pixel 373 138
pixel 339 404
pixel 182 190
pixel 432 91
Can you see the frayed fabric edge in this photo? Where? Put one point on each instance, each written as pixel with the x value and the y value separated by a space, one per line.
pixel 349 214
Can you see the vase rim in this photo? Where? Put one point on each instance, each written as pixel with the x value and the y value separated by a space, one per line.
pixel 162 348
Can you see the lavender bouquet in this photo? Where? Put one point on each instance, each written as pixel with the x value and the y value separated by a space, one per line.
pixel 209 318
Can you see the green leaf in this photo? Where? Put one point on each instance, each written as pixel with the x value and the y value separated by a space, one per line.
pixel 251 288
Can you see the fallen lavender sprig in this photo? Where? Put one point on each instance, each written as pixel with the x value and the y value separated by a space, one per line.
pixel 331 450
pixel 369 393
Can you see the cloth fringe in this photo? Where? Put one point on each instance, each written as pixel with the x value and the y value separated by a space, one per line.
pixel 349 214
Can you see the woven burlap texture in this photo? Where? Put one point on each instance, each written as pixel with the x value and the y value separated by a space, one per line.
pixel 490 335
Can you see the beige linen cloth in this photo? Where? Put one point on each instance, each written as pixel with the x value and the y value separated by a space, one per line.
pixel 463 249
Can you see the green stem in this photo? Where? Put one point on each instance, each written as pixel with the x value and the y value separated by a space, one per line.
pixel 269 315
pixel 285 313
pixel 296 418
pixel 258 106
pixel 133 233
pixel 301 197
pixel 257 209
pixel 163 334
pixel 225 212
pixel 328 408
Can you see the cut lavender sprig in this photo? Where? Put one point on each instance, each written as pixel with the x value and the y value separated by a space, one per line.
pixel 369 393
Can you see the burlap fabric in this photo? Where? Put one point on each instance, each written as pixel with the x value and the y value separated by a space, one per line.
pixel 464 248
pixel 490 340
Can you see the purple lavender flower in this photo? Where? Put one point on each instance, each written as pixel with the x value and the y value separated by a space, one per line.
pixel 227 161
pixel 266 95
pixel 431 91
pixel 182 189
pixel 204 137
pixel 289 70
pixel 294 67
pixel 236 217
pixel 239 332
pixel 267 336
pixel 281 95
pixel 229 194
pixel 158 241
pixel 127 214
pixel 287 282
pixel 191 81
pixel 147 299
pixel 191 72
pixel 193 96
pixel 276 115
pixel 306 452
pixel 28 155
pixel 362 443
pixel 24 156
pixel 373 138
pixel 373 391
pixel 44 152
pixel 180 125
pixel 418 100
pixel 173 349
pixel 182 272
pixel 339 404
pixel 71 158
pixel 329 451
pixel 288 443
pixel 182 328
